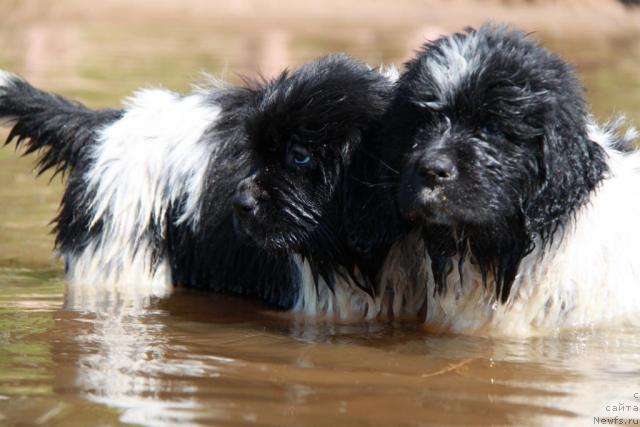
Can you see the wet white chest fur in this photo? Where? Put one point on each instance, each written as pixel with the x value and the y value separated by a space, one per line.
pixel 589 276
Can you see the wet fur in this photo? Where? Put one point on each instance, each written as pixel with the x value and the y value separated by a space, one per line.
pixel 148 203
pixel 512 117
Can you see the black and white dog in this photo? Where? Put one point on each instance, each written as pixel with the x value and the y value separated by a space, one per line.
pixel 527 208
pixel 263 191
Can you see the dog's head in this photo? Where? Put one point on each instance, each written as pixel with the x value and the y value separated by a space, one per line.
pixel 490 132
pixel 307 134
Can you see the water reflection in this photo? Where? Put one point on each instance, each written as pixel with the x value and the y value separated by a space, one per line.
pixel 198 359
pixel 125 366
pixel 167 365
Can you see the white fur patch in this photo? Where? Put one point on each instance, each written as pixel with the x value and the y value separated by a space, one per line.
pixel 591 276
pixel 345 302
pixel 6 77
pixel 390 72
pixel 97 279
pixel 403 277
pixel 460 57
pixel 150 158
pixel 142 164
pixel 5 80
pixel 395 296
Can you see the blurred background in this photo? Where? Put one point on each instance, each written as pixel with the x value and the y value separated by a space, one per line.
pixel 101 51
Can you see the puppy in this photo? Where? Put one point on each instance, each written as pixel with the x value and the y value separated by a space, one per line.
pixel 527 208
pixel 262 191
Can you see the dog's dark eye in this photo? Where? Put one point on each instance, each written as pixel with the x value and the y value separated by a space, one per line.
pixel 300 156
pixel 488 129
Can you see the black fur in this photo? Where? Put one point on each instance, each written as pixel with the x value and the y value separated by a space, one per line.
pixel 60 128
pixel 497 160
pixel 327 211
pixel 61 131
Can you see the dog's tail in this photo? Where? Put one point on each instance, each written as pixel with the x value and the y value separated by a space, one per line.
pixel 59 128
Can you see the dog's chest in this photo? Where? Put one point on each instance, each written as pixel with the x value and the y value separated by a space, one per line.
pixel 346 301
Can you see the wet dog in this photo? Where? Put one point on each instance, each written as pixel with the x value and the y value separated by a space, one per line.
pixel 262 191
pixel 528 208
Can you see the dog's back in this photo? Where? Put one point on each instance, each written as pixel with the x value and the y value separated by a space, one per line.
pixel 130 224
pixel 132 174
pixel 150 197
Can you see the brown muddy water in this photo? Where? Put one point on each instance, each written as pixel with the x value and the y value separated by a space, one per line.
pixel 199 359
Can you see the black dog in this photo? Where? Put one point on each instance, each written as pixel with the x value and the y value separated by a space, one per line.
pixel 263 191
pixel 528 209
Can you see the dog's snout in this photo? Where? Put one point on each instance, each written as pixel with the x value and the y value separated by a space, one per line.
pixel 437 169
pixel 245 203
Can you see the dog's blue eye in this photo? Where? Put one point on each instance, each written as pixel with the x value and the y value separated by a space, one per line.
pixel 299 159
pixel 488 129
pixel 300 156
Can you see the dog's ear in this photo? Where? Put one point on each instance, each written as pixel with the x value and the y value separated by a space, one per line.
pixel 569 167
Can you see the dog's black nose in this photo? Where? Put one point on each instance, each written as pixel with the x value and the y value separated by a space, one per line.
pixel 245 203
pixel 437 169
